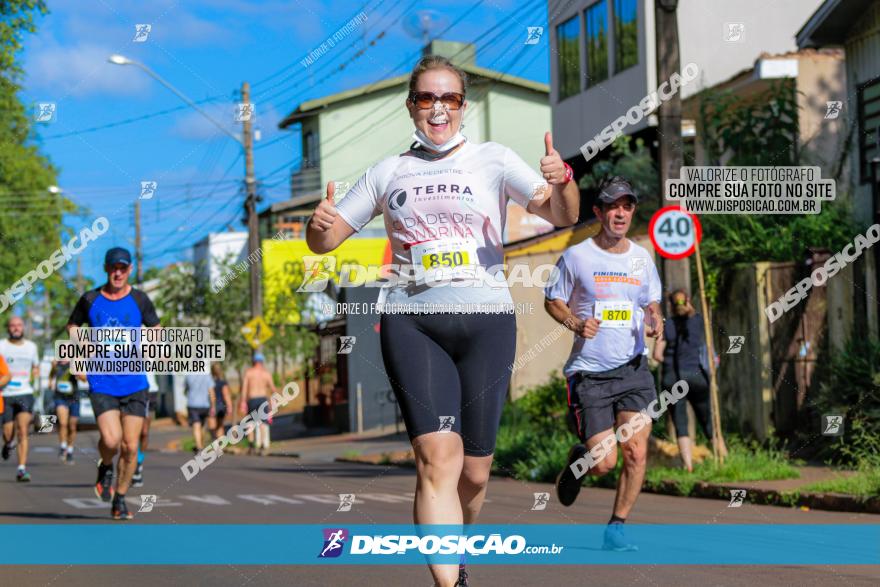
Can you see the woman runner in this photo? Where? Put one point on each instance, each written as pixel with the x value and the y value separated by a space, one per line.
pixel 444 204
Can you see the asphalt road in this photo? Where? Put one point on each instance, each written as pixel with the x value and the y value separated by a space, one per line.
pixel 283 490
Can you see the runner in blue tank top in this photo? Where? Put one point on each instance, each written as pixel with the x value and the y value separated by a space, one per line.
pixel 119 401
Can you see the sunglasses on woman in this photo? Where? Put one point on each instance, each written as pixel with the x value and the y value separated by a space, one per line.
pixel 426 100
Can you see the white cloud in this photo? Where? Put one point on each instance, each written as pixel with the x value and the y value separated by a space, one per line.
pixel 81 70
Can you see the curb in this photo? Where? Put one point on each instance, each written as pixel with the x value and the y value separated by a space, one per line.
pixel 836 502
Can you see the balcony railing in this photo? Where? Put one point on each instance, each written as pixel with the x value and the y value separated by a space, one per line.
pixel 305 181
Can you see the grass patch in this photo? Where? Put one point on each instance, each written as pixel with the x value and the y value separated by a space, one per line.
pixel 864 484
pixel 189 443
pixel 744 462
pixel 533 444
pixel 351 454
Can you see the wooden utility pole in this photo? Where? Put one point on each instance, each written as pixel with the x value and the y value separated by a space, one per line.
pixel 676 273
pixel 80 287
pixel 138 250
pixel 251 202
pixel 719 451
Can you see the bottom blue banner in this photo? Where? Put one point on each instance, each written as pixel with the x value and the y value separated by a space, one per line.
pixel 178 544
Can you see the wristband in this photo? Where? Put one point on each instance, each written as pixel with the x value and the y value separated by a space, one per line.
pixel 569 172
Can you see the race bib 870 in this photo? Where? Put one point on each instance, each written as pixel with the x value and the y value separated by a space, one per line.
pixel 614 314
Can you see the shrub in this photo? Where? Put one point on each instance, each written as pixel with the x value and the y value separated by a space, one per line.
pixel 852 389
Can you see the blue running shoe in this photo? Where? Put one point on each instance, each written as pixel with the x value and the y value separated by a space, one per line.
pixel 615 539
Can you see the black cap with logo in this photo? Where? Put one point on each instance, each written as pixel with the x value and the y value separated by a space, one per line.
pixel 117 255
pixel 616 189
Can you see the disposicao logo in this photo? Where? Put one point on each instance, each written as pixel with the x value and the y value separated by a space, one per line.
pixel 334 542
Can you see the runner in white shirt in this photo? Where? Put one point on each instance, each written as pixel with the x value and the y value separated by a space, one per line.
pixel 18 395
pixel 444 202
pixel 609 294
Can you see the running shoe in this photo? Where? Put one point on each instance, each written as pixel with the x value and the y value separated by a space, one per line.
pixel 119 509
pixel 137 480
pixel 23 476
pixel 7 449
pixel 462 577
pixel 69 457
pixel 62 453
pixel 567 485
pixel 104 484
pixel 615 539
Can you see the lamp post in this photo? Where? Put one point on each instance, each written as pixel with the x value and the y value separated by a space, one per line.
pixel 246 144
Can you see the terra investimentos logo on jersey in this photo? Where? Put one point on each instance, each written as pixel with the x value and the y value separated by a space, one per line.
pixel 396 199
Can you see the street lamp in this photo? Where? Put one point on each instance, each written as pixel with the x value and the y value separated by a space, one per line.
pixel 117 59
pixel 247 145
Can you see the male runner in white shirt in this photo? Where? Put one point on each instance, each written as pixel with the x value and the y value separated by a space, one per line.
pixel 608 293
pixel 24 366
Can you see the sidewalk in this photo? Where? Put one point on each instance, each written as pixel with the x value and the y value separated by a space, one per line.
pixel 783 492
pixel 342 447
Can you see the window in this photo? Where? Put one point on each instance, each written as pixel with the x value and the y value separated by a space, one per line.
pixel 311 154
pixel 569 61
pixel 626 37
pixel 869 126
pixel 597 42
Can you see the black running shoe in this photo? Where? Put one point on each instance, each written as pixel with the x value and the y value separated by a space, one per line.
pixel 567 485
pixel 137 480
pixel 119 509
pixel 104 484
pixel 462 577
pixel 7 448
pixel 69 458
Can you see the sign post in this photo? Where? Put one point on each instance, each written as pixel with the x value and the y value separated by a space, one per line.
pixel 676 234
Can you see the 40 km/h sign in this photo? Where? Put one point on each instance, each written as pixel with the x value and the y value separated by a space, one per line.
pixel 674 233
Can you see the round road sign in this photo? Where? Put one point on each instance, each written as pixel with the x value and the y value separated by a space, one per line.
pixel 674 232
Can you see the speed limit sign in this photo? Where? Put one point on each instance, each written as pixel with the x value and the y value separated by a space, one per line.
pixel 674 233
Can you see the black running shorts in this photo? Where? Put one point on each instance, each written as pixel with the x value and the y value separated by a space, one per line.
pixel 595 399
pixel 133 404
pixel 450 373
pixel 197 415
pixel 17 404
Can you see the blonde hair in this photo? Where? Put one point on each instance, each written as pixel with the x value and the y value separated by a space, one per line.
pixel 429 62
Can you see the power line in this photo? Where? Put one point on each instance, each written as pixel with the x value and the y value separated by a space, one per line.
pixel 372 123
pixel 293 82
pixel 124 121
pixel 290 65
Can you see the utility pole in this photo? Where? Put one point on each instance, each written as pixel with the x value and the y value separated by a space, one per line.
pixel 138 250
pixel 251 202
pixel 47 325
pixel 80 287
pixel 676 273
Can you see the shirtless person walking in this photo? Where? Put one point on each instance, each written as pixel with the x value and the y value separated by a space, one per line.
pixel 256 389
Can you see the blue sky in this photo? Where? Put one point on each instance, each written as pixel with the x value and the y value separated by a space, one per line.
pixel 206 48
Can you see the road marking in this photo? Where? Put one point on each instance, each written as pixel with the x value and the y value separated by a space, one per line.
pixel 259 498
pixel 211 499
pixel 270 499
pixel 323 498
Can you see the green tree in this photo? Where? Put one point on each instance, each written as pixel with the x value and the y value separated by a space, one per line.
pixel 632 160
pixel 185 298
pixel 31 225
pixel 760 131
